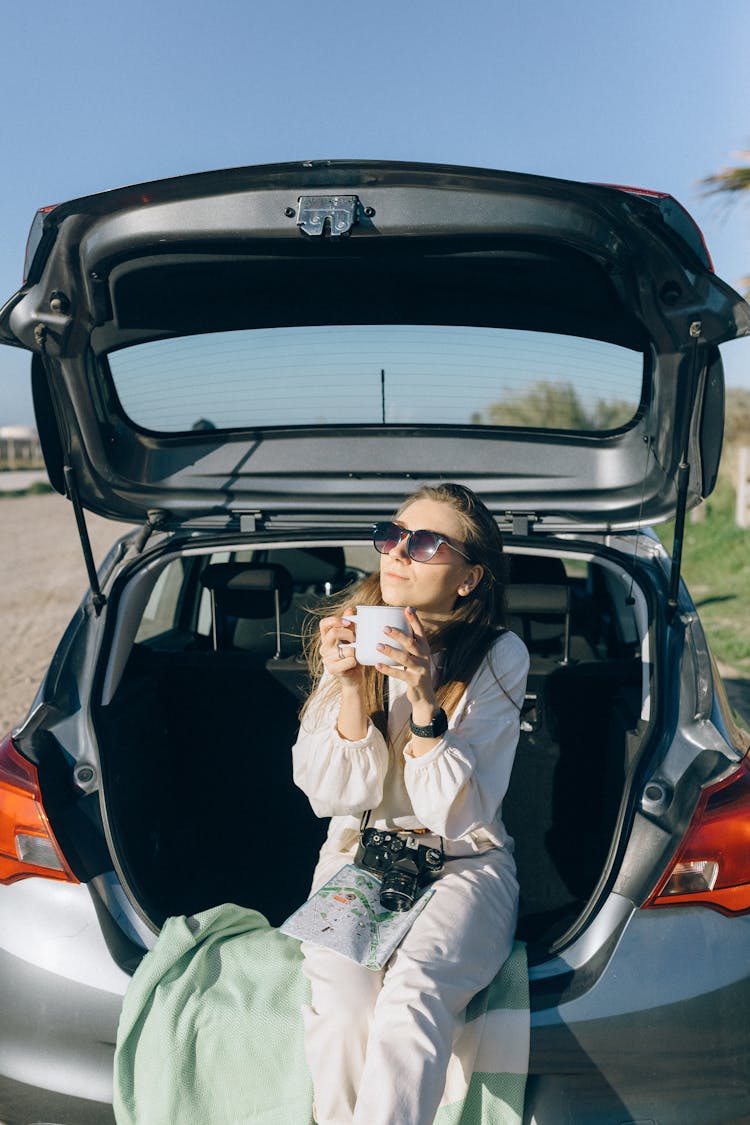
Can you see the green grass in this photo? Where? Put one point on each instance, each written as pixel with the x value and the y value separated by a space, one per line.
pixel 716 568
pixel 35 489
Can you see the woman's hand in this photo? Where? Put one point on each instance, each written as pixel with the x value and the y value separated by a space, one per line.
pixel 352 721
pixel 340 662
pixel 413 654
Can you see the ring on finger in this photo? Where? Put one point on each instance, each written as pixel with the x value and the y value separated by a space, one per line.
pixel 342 654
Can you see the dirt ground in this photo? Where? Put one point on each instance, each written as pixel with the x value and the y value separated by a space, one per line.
pixel 42 581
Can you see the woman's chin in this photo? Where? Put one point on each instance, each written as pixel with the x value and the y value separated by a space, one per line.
pixel 391 594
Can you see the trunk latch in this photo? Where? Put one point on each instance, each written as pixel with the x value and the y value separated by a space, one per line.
pixel 332 215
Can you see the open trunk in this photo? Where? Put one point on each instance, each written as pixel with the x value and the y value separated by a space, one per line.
pixel 281 351
pixel 199 711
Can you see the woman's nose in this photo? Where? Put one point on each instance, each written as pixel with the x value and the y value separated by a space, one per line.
pixel 400 550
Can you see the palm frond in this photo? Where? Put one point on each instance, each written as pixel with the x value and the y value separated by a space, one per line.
pixel 729 181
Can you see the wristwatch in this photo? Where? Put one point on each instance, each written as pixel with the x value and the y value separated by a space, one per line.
pixel 438 726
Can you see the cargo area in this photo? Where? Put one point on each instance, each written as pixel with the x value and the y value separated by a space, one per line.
pixel 199 712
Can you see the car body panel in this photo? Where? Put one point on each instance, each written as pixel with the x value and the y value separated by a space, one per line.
pixel 675 1050
pixel 62 993
pixel 638 1015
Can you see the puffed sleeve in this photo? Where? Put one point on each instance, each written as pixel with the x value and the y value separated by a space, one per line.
pixel 458 786
pixel 339 778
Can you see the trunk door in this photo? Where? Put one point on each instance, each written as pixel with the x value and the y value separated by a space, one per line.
pixel 290 344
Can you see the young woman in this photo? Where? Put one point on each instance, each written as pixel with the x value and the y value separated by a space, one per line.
pixel 434 751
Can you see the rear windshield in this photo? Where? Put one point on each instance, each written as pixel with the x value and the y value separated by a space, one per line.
pixel 382 374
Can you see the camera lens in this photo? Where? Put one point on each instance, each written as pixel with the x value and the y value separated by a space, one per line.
pixel 398 890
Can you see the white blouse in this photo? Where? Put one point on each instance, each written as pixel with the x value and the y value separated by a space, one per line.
pixel 455 790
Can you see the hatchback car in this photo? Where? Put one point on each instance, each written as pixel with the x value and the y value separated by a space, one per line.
pixel 253 366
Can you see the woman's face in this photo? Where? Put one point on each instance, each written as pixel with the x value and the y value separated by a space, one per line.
pixel 434 586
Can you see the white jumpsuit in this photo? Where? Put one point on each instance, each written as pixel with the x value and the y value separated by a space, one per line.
pixel 378 1043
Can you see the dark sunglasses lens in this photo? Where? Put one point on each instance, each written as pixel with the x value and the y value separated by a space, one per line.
pixel 385 536
pixel 423 545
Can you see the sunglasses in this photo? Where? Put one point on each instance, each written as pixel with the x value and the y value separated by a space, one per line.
pixel 421 546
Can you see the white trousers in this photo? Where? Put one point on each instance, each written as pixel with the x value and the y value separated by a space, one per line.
pixel 378 1043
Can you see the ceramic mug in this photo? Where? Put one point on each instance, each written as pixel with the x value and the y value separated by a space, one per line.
pixel 370 623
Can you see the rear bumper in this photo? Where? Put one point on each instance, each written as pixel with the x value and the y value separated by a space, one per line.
pixel 662 1036
pixel 23 1105
pixel 60 994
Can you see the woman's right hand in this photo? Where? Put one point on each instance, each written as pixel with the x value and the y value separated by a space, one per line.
pixel 338 662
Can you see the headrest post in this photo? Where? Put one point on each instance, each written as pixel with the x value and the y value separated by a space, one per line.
pixel 566 640
pixel 278 623
pixel 214 623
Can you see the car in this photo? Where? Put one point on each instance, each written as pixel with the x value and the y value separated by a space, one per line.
pixel 252 367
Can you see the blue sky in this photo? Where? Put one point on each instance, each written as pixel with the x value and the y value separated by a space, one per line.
pixel 99 94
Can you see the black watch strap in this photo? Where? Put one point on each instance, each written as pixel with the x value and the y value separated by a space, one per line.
pixel 438 726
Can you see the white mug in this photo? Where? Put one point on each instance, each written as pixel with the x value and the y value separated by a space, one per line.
pixel 370 623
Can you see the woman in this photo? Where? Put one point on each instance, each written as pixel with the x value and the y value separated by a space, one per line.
pixel 378 1043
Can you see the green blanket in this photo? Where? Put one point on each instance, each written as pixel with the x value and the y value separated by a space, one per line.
pixel 211 1033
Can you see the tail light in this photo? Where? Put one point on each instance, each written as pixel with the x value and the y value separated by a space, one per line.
pixel 676 216
pixel 35 238
pixel 712 866
pixel 27 843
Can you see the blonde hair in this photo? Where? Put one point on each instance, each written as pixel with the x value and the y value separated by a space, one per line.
pixel 464 638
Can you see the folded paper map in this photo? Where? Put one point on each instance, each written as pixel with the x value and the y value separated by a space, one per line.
pixel 345 915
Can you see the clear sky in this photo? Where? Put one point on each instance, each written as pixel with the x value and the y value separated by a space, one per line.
pixel 98 94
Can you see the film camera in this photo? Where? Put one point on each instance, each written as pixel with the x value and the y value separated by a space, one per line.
pixel 401 862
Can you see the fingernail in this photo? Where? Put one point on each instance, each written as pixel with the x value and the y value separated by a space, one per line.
pixel 380 648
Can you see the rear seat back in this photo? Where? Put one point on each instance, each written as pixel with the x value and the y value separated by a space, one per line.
pixel 541 616
pixel 243 594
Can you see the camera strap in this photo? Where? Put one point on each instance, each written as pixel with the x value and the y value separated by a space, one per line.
pixel 381 722
pixel 380 718
pixel 401 831
pixel 365 820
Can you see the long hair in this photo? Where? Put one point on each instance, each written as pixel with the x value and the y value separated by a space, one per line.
pixel 465 637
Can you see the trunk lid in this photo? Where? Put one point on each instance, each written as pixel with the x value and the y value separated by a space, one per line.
pixel 286 345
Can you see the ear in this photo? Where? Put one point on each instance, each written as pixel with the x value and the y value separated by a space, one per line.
pixel 471 581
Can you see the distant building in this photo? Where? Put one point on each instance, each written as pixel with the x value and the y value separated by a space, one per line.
pixel 19 448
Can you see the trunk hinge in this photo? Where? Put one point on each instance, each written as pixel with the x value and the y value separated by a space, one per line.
pixel 155 518
pixel 522 522
pixel 250 522
pixel 683 478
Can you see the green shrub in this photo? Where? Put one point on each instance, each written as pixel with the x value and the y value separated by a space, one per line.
pixel 716 568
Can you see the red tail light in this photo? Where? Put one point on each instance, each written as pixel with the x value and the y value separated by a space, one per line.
pixel 35 237
pixel 712 866
pixel 27 844
pixel 676 216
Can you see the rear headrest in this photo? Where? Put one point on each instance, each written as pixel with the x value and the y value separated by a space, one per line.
pixel 541 570
pixel 313 566
pixel 533 598
pixel 249 591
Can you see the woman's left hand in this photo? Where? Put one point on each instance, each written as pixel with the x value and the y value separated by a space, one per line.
pixel 413 654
